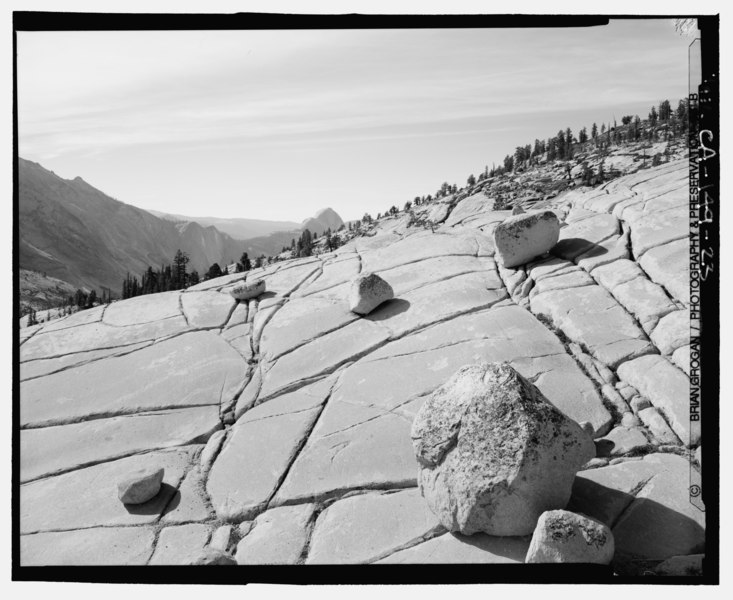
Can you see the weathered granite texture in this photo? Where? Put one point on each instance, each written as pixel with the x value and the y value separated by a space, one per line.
pixel 286 418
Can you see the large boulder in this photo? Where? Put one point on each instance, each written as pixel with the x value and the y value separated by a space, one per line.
pixel 566 537
pixel 367 292
pixel 248 289
pixel 494 454
pixel 521 238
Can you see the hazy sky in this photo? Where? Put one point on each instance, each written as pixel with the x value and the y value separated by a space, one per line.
pixel 278 124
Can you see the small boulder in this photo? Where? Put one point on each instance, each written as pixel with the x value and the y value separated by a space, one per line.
pixel 140 486
pixel 248 289
pixel 639 403
pixel 565 537
pixel 630 420
pixel 521 238
pixel 211 556
pixel 517 210
pixel 493 453
pixel 368 291
pixel 681 565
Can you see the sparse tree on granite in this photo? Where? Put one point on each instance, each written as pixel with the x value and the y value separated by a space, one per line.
pixel 653 116
pixel 193 278
pixel 471 180
pixel 245 262
pixel 180 260
pixel 214 271
pixel 569 143
pixel 91 299
pixel 637 127
pixel 594 131
pixel 583 136
pixel 681 112
pixel 536 150
pixel 665 110
pixel 305 244
pixel 408 205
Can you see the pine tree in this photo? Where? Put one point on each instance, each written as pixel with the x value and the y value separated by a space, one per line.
pixel 91 299
pixel 180 261
pixel 560 144
pixel 665 110
pixel 471 180
pixel 214 271
pixel 245 262
pixel 594 131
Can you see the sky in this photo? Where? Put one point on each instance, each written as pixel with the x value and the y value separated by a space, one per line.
pixel 276 125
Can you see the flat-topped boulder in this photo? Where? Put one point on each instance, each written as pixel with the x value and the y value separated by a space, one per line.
pixel 248 289
pixel 523 237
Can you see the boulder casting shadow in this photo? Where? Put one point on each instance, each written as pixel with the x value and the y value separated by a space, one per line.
pixel 570 248
pixel 156 504
pixel 387 310
pixel 644 530
pixel 263 296
pixel 511 547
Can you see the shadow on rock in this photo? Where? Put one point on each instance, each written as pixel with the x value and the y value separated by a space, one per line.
pixel 265 296
pixel 645 531
pixel 156 505
pixel 389 309
pixel 604 448
pixel 514 548
pixel 572 247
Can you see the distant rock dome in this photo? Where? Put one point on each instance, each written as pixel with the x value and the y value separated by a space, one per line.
pixel 324 219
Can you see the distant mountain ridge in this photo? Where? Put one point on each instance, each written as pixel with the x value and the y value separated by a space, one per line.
pixel 76 233
pixel 272 236
pixel 239 229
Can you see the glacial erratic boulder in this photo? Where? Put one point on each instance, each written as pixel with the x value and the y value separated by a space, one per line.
pixel 566 537
pixel 248 289
pixel 493 453
pixel 140 486
pixel 520 238
pixel 518 210
pixel 367 292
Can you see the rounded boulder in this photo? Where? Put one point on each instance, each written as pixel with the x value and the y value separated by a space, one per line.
pixel 565 537
pixel 140 486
